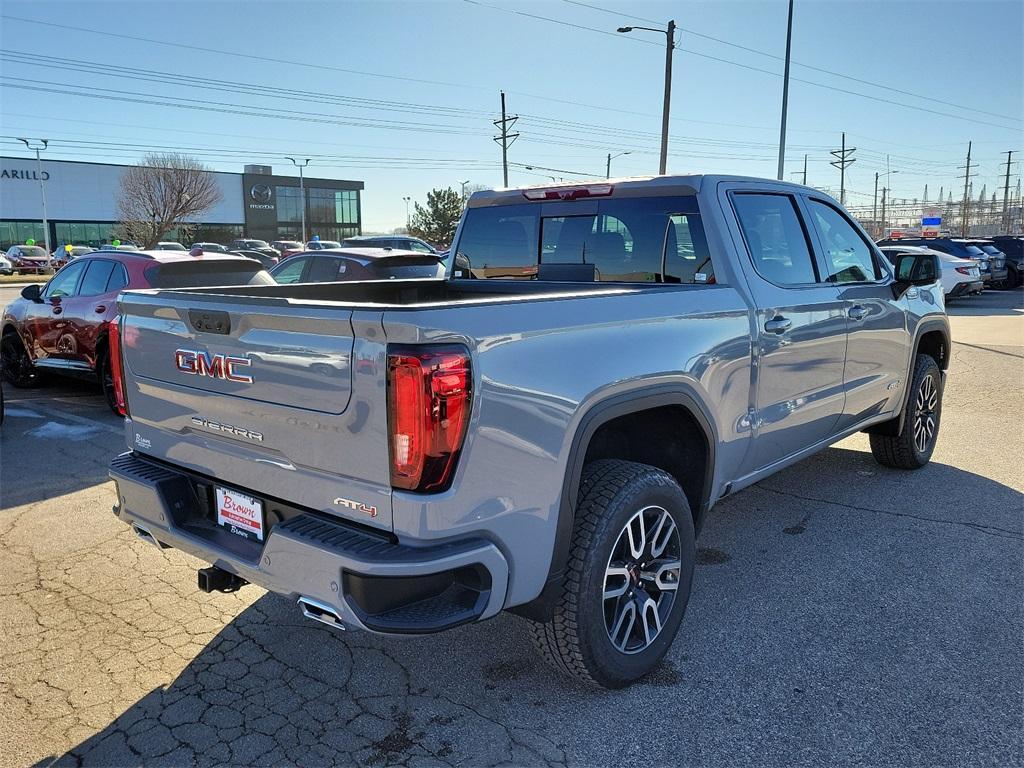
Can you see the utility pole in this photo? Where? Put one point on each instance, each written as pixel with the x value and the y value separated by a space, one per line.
pixel 965 215
pixel 785 97
pixel 842 160
pixel 1006 193
pixel 608 165
pixel 884 190
pixel 506 139
pixel 302 193
pixel 874 205
pixel 670 44
pixel 39 145
pixel 805 170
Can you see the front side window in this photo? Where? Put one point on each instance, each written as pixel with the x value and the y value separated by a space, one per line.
pixel 97 275
pixel 63 284
pixel 775 238
pixel 291 270
pixel 847 256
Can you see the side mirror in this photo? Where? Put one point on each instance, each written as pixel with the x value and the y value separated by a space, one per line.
pixel 915 269
pixel 32 292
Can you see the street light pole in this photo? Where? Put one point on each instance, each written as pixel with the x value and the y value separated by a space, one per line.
pixel 463 184
pixel 302 193
pixel 785 92
pixel 39 145
pixel 670 35
pixel 608 166
pixel 408 221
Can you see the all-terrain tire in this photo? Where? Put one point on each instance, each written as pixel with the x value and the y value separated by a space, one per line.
pixel 576 639
pixel 907 450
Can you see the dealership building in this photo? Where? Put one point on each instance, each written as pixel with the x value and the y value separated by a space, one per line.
pixel 81 204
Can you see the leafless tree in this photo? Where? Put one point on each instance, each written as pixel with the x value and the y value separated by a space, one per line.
pixel 163 192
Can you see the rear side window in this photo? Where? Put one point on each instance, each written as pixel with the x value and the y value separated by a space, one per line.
pixel 847 257
pixel 96 277
pixel 326 269
pixel 775 238
pixel 118 279
pixel 655 239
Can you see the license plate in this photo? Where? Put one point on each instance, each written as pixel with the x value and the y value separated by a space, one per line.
pixel 239 513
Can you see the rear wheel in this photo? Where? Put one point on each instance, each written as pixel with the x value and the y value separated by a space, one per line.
pixel 912 448
pixel 627 579
pixel 17 366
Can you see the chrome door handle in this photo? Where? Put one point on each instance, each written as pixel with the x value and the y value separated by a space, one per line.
pixel 858 312
pixel 778 324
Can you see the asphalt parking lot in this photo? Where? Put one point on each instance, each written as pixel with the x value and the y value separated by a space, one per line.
pixel 842 613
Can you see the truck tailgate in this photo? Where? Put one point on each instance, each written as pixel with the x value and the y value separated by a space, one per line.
pixel 261 397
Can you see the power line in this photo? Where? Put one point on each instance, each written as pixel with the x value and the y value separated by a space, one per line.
pixel 972 119
pixel 759 52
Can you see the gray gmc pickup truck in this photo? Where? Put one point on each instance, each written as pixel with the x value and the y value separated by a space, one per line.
pixel 545 429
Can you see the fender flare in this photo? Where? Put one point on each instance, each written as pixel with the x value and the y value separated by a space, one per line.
pixel 927 325
pixel 598 414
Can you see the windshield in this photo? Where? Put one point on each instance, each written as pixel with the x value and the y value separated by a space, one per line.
pixel 974 250
pixel 653 239
pixel 991 250
pixel 32 250
pixel 256 244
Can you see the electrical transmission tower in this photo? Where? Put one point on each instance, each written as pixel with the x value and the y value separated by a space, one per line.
pixel 506 139
pixel 1006 192
pixel 965 215
pixel 842 160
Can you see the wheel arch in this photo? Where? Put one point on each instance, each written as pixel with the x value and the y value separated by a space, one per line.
pixel 676 401
pixel 932 338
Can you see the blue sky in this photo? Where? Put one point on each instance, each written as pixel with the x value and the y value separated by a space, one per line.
pixel 401 95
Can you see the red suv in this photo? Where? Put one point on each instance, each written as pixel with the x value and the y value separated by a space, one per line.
pixel 62 327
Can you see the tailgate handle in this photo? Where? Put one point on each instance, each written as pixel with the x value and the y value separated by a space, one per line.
pixel 209 321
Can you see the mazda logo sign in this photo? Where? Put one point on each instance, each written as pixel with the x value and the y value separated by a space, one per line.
pixel 261 193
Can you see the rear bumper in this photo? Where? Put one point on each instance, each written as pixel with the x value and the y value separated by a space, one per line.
pixel 370 581
pixel 965 288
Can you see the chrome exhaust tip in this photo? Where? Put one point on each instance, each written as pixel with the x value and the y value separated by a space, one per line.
pixel 146 536
pixel 325 614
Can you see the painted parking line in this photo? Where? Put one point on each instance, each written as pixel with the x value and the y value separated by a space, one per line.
pixel 75 426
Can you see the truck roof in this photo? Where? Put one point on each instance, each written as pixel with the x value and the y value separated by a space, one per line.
pixel 685 184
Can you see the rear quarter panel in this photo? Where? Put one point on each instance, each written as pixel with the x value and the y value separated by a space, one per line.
pixel 538 368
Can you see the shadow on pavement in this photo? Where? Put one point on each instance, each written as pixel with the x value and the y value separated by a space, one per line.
pixel 55 439
pixel 272 688
pixel 991 303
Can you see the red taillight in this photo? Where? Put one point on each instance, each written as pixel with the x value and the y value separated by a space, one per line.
pixel 428 409
pixel 117 365
pixel 963 270
pixel 569 193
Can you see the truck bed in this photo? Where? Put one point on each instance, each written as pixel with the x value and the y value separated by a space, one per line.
pixel 408 294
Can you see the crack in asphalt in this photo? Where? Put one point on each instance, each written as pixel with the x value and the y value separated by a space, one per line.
pixel 249 687
pixel 991 530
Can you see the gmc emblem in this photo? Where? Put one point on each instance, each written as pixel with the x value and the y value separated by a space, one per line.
pixel 197 363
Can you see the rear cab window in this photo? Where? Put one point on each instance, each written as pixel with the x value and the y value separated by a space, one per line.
pixel 635 240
